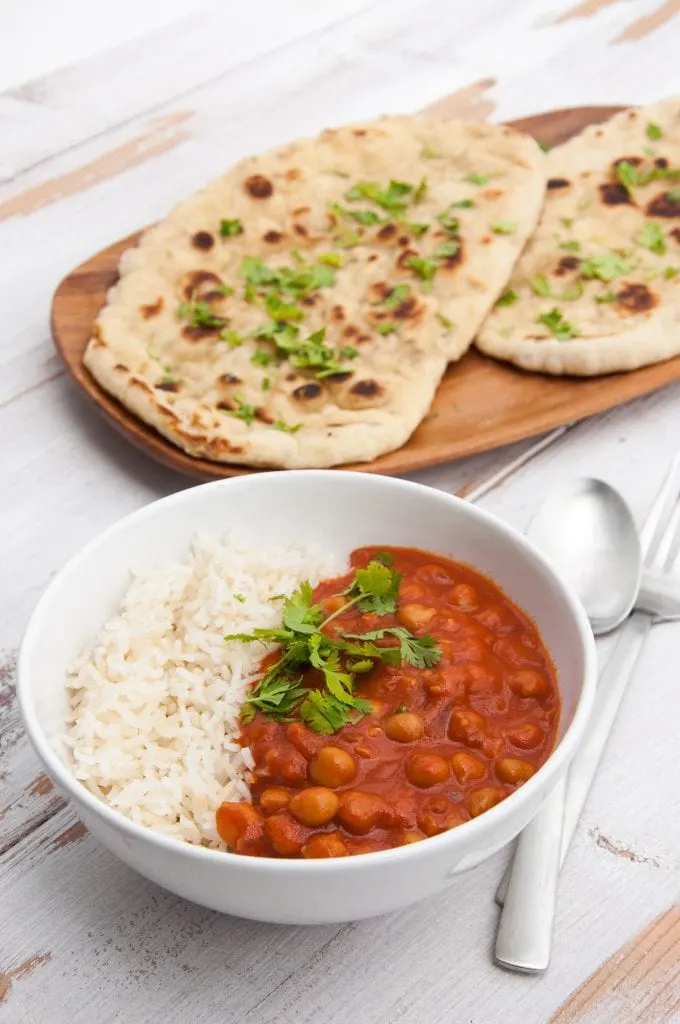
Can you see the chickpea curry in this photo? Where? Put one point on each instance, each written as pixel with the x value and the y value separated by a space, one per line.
pixel 404 698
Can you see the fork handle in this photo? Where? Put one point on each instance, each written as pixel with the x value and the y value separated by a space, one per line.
pixel 608 696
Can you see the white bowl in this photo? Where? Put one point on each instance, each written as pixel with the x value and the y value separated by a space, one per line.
pixel 343 511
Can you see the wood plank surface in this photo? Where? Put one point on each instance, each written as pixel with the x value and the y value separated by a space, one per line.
pixel 82 938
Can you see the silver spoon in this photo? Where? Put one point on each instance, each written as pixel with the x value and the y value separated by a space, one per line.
pixel 587 531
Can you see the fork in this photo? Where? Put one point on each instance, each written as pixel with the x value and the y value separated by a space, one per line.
pixel 528 890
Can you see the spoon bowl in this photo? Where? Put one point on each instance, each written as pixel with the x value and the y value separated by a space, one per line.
pixel 587 531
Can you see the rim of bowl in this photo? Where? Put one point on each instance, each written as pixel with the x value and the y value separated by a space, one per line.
pixel 64 777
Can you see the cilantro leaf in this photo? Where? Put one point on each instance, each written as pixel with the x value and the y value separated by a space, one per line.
pixel 199 314
pixel 477 179
pixel 397 295
pixel 243 411
pixel 425 269
pixel 331 259
pixel 462 204
pixel 653 131
pixel 392 198
pixel 540 285
pixel 419 651
pixel 300 614
pixel 376 587
pixel 286 428
pixel 228 228
pixel 325 714
pixel 572 246
pixel 557 325
pixel 446 250
pixel 606 266
pixel 651 237
pixel 504 227
pixel 386 327
pixel 447 324
pixel 507 298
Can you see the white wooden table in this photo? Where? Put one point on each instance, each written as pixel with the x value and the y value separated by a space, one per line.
pixel 89 154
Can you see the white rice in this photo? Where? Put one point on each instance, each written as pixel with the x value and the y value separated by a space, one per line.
pixel 154 703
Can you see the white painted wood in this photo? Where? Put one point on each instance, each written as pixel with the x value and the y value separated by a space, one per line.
pixel 120 949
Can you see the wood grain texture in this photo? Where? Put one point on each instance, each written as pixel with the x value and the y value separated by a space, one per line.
pixel 480 405
pixel 121 949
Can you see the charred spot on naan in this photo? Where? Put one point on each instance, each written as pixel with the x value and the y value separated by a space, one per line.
pixel 636 298
pixel 614 194
pixel 661 163
pixel 675 234
pixel 258 187
pixel 663 205
pixel 273 237
pixel 386 232
pixel 311 300
pixel 141 385
pixel 194 334
pixel 263 416
pixel 566 264
pixel 121 368
pixel 634 161
pixel 553 184
pixel 293 174
pixel 193 282
pixel 363 394
pixel 337 313
pixel 168 385
pixel 203 240
pixel 151 309
pixel 312 396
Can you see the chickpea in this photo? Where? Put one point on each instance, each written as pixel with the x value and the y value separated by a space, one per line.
pixel 412 591
pixel 482 680
pixel 433 573
pixel 285 834
pixel 467 767
pixel 405 727
pixel 360 812
pixel 327 844
pixel 303 739
pixel 237 821
pixel 314 806
pixel 411 837
pixel 416 616
pixel 333 604
pixel 425 770
pixel 274 799
pixel 513 771
pixel 526 737
pixel 498 619
pixel 528 684
pixel 286 765
pixel 467 726
pixel 483 799
pixel 464 596
pixel 433 821
pixel 333 767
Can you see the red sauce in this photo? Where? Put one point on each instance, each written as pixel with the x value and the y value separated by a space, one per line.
pixel 442 745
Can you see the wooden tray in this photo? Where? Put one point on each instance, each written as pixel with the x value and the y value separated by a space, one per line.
pixel 481 404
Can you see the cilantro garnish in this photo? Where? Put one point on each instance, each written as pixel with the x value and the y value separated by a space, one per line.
pixel 261 357
pixel 570 246
pixel 266 384
pixel 670 272
pixel 507 298
pixel 606 266
pixel 462 204
pixel 504 227
pixel 367 217
pixel 386 327
pixel 240 598
pixel 420 191
pixel 348 239
pixel 607 297
pixel 557 325
pixel 446 250
pixel 450 224
pixel 428 153
pixel 243 411
pixel 653 131
pixel 419 651
pixel 540 285
pixel 392 198
pixel 287 428
pixel 415 228
pixel 230 227
pixel 477 179
pixel 199 314
pixel 425 269
pixel 651 237
pixel 331 259
pixel 397 296
pixel 303 644
pixel 447 324
pixel 544 146
pixel 232 339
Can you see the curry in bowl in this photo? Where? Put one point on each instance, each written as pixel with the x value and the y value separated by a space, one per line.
pixel 375 709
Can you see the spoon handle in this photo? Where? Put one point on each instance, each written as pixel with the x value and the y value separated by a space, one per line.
pixel 524 939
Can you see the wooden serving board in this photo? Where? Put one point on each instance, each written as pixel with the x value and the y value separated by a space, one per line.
pixel 481 404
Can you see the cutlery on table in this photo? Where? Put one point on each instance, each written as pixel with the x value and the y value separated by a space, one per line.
pixel 529 889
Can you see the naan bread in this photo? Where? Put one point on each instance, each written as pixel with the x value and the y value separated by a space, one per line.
pixel 360 287
pixel 603 267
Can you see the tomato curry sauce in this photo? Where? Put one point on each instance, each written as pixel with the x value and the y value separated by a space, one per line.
pixel 440 744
